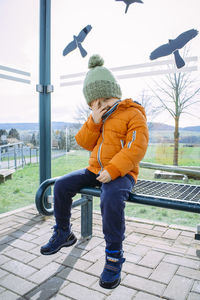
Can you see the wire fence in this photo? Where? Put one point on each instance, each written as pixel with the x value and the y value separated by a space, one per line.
pixel 17 155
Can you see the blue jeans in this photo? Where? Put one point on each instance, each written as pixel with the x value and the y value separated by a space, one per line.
pixel 113 197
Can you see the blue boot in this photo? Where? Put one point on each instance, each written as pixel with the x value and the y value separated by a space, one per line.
pixel 111 276
pixel 60 238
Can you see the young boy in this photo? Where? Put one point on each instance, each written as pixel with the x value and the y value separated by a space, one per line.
pixel 116 133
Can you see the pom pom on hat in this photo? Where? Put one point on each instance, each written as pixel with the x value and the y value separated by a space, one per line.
pixel 99 81
pixel 95 61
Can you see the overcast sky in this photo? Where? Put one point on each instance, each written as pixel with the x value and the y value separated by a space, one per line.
pixel 121 39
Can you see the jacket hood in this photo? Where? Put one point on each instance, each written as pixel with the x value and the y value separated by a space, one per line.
pixel 130 103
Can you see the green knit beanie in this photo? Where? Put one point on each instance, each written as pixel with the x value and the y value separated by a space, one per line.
pixel 99 81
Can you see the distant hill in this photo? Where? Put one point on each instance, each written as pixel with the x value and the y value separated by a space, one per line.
pixel 35 126
pixel 160 126
pixel 191 128
pixel 153 126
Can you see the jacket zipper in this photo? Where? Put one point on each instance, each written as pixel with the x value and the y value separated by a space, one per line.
pixel 99 150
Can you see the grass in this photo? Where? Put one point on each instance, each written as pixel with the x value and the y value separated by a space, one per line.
pixel 163 154
pixel 20 191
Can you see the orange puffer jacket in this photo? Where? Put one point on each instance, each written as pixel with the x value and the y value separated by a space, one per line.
pixel 119 142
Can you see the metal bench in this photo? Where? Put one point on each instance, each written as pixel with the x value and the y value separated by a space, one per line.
pixel 177 196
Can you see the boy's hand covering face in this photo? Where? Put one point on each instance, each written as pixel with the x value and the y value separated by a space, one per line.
pixel 104 177
pixel 98 109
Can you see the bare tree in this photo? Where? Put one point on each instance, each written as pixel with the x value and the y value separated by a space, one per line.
pixel 176 93
pixel 151 109
pixel 82 113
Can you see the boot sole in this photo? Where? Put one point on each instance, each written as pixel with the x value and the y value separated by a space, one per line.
pixel 68 244
pixel 109 285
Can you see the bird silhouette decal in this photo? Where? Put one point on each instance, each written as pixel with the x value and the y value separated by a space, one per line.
pixel 76 43
pixel 173 47
pixel 128 2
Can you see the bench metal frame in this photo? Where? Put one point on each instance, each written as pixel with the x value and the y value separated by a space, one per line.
pixel 86 202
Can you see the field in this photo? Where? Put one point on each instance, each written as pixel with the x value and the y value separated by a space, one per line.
pixel 20 191
pixel 163 154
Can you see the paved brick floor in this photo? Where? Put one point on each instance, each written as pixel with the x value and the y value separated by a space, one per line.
pixel 161 261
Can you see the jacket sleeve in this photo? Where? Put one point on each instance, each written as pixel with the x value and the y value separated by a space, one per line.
pixel 88 135
pixel 134 149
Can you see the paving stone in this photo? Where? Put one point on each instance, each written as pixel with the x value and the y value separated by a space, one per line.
pixel 22 235
pixel 97 221
pixel 196 287
pixel 47 289
pixel 160 228
pixel 188 272
pixel 143 284
pixel 4 230
pixel 77 277
pixel 46 272
pixel 23 244
pixel 73 262
pixel 18 268
pixel 89 245
pixel 138 249
pixel 2 290
pixel 8 225
pixel 134 238
pixel 132 257
pixel 26 215
pixel 3 259
pixel 145 296
pixel 79 292
pixel 76 269
pixel 136 269
pixel 151 259
pixel 153 241
pixel 184 240
pixel 46 230
pixel 20 255
pixel 178 288
pixel 191 251
pixel 170 249
pixel 43 260
pixel 149 231
pixel 3 273
pixel 98 288
pixel 4 248
pixel 16 284
pixel 26 228
pixel 6 239
pixel 182 227
pixel 97 232
pixel 187 233
pixel 41 240
pixel 94 254
pixel 139 220
pixel 59 297
pixel 4 219
pixel 8 295
pixel 186 262
pixel 141 225
pixel 171 234
pixel 74 251
pixel 36 250
pixel 97 267
pixel 164 272
pixel 193 296
pixel 122 293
